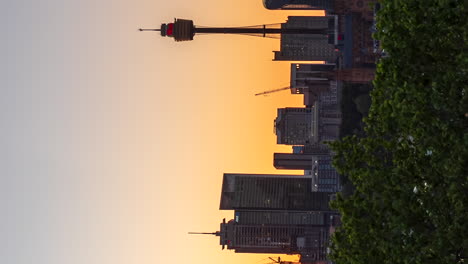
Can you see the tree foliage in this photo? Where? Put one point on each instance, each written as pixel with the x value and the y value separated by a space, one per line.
pixel 410 170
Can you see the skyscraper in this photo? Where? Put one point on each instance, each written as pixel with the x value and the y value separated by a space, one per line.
pixel 297 126
pixel 271 192
pixel 309 47
pixel 299 4
pixel 292 161
pixel 310 240
pixel 325 178
pixel 304 126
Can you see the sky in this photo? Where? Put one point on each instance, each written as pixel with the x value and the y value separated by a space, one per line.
pixel 114 141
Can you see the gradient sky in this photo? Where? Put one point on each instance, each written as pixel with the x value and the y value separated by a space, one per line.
pixel 114 141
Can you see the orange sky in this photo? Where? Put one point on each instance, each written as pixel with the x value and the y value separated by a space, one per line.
pixel 227 127
pixel 117 140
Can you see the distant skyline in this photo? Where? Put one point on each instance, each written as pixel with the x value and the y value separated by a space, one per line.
pixel 115 141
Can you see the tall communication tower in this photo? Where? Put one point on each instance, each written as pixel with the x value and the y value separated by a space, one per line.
pixel 184 30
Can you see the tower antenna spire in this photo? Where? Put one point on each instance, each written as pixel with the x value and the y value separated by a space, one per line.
pixel 183 30
pixel 204 233
pixel 149 29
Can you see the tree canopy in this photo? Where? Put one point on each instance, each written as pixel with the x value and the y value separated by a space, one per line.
pixel 410 172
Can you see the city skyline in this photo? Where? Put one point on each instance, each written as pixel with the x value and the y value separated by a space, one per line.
pixel 100 128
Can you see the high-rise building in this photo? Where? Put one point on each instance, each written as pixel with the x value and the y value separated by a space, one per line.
pixel 275 214
pixel 363 8
pixel 309 47
pixel 307 79
pixel 296 126
pixel 325 178
pixel 265 217
pixel 292 161
pixel 311 240
pixel 308 75
pixel 317 166
pixel 299 4
pixel 271 192
pixel 340 7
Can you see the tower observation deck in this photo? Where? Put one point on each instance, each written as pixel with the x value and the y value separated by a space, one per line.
pixel 184 30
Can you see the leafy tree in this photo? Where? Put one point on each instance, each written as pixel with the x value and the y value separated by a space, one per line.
pixel 410 203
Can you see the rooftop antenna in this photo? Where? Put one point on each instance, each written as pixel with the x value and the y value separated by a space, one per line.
pixel 204 233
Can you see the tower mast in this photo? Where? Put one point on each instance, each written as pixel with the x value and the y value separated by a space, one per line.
pixel 183 30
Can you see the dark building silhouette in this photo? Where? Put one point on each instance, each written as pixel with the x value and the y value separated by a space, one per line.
pixel 315 218
pixel 318 166
pixel 304 126
pixel 309 80
pixel 296 126
pixel 271 192
pixel 309 47
pixel 292 161
pixel 299 4
pixel 276 214
pixel 311 240
pixel 364 8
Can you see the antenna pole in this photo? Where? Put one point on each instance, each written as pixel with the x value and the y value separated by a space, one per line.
pixel 149 29
pixel 202 233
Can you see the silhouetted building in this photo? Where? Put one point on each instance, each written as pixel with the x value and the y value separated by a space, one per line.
pixel 299 4
pixel 296 126
pixel 271 192
pixel 316 149
pixel 307 79
pixel 317 166
pixel 303 126
pixel 293 161
pixel 309 47
pixel 309 240
pixel 265 217
pixel 364 8
pixel 339 7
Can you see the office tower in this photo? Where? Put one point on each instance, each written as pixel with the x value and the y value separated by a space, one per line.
pixel 296 126
pixel 293 161
pixel 274 239
pixel 309 47
pixel 325 178
pixel 304 126
pixel 310 77
pixel 271 192
pixel 299 4
pixel 272 217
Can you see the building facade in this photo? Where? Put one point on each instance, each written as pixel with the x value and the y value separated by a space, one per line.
pixel 299 4
pixel 310 240
pixel 309 47
pixel 305 126
pixel 271 192
pixel 296 125
pixel 325 178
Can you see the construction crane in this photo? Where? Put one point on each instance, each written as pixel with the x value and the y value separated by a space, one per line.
pixel 279 261
pixel 273 91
